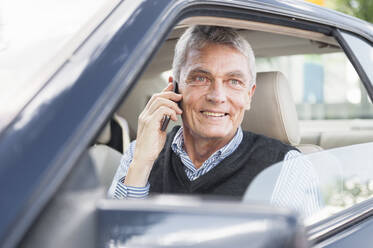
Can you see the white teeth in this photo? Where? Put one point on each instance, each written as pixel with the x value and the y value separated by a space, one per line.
pixel 213 114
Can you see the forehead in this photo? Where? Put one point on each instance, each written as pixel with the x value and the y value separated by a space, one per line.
pixel 217 58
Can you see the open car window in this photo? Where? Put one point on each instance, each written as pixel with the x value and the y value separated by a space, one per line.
pixel 332 105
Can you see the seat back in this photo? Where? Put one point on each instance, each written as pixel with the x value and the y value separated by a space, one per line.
pixel 273 111
pixel 106 161
pixel 105 158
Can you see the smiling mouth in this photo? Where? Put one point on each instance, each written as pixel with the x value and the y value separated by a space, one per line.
pixel 213 114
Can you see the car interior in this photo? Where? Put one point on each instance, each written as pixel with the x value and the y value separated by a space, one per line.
pixel 273 112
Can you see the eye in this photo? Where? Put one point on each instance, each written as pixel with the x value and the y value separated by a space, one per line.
pixel 200 79
pixel 235 83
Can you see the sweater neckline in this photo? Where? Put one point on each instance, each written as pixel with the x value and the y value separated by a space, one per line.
pixel 178 148
pixel 226 168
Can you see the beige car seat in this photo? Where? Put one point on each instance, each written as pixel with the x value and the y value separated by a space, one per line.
pixel 106 159
pixel 273 112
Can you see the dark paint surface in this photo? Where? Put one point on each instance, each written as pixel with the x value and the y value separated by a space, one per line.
pixel 157 223
pixel 356 236
pixel 50 130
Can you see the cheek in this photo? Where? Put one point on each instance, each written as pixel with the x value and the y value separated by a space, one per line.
pixel 191 98
pixel 188 103
pixel 246 101
pixel 241 103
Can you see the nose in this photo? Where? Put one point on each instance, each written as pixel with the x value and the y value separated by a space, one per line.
pixel 217 92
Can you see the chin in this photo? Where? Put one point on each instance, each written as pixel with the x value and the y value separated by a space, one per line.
pixel 216 133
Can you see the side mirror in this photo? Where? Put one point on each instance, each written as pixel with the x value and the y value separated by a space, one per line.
pixel 178 221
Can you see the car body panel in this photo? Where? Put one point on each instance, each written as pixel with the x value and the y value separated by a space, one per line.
pixel 356 235
pixel 134 224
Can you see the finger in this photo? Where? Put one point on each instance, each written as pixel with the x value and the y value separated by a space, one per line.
pixel 147 121
pixel 164 102
pixel 169 87
pixel 166 95
pixel 159 114
pixel 140 122
pixel 171 96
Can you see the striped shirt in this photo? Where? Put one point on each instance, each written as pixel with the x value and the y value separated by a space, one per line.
pixel 178 147
pixel 297 186
pixel 118 190
pixel 296 178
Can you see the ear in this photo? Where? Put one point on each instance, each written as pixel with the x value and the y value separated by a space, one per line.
pixel 251 94
pixel 170 79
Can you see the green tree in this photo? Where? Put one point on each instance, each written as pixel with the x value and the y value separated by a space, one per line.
pixel 362 9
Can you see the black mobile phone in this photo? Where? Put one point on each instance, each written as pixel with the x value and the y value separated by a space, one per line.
pixel 166 118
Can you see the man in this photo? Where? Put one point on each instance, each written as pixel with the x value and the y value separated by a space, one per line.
pixel 210 154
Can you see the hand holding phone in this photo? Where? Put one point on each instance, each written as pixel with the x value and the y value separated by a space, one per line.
pixel 150 139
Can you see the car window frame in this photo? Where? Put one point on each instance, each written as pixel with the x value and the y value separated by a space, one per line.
pixel 368 84
pixel 346 219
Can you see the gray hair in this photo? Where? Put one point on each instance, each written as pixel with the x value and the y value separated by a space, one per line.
pixel 196 37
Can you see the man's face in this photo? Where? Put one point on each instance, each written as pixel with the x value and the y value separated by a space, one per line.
pixel 215 84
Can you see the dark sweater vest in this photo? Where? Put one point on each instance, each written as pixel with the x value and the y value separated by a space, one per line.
pixel 230 177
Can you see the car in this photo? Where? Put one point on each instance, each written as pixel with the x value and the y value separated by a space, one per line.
pixel 66 121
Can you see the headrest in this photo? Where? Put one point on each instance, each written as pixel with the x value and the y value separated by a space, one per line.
pixel 272 111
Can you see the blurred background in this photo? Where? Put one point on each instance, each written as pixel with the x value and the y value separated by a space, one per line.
pixel 320 96
pixel 362 9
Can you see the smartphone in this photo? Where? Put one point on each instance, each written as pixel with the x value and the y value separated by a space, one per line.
pixel 166 118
